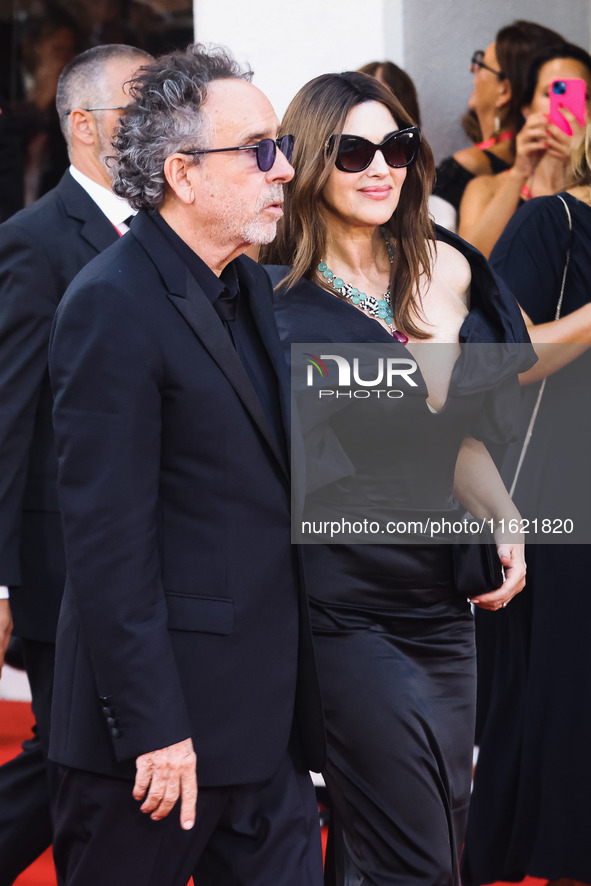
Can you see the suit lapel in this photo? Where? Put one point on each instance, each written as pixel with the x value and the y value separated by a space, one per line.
pixel 95 228
pixel 192 303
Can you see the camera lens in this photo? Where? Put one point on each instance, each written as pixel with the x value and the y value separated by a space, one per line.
pixel 559 88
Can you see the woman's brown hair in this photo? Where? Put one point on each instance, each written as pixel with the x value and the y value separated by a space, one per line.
pixel 399 83
pixel 318 111
pixel 515 47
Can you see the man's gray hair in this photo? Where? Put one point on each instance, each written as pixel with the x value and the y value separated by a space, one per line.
pixel 165 116
pixel 84 82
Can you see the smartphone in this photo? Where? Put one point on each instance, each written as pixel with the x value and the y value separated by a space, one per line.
pixel 570 94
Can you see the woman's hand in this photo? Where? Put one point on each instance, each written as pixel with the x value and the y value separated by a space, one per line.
pixel 513 560
pixel 539 137
pixel 531 144
pixel 561 145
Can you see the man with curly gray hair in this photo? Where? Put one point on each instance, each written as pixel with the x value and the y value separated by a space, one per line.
pixel 184 631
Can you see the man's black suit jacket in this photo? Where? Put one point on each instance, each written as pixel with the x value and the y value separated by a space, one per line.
pixel 42 248
pixel 183 614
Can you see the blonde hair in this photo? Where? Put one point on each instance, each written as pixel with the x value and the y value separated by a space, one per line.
pixel 581 159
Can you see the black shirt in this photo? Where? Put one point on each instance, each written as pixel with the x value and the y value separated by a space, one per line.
pixel 238 321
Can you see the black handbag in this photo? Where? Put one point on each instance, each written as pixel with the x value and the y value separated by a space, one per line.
pixel 477 568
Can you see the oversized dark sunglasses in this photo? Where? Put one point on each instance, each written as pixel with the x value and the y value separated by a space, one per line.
pixel 266 150
pixel 354 153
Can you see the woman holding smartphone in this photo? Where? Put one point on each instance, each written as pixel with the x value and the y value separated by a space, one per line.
pixel 543 152
pixel 499 72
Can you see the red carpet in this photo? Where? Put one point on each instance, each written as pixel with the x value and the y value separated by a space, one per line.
pixel 16 721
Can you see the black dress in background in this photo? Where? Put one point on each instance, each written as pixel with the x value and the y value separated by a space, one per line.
pixel 452 178
pixel 530 807
pixel 393 636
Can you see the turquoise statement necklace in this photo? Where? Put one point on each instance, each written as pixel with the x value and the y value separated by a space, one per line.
pixel 375 307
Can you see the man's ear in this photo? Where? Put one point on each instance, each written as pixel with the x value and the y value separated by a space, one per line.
pixel 176 172
pixel 83 126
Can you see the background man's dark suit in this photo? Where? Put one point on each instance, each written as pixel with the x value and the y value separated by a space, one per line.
pixel 42 248
pixel 181 610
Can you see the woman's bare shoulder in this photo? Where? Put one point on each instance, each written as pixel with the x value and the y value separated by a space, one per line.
pixel 451 268
pixel 474 160
pixel 482 186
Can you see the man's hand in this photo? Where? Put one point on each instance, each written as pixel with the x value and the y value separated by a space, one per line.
pixel 5 629
pixel 166 775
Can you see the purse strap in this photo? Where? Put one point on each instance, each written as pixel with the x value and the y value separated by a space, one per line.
pixel 536 409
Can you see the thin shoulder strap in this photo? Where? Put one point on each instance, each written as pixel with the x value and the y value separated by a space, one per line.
pixel 538 402
pixel 567 261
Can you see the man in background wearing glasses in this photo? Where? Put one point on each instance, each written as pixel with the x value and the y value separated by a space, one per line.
pixel 42 248
pixel 184 646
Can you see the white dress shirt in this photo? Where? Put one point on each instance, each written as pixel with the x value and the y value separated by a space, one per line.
pixel 117 209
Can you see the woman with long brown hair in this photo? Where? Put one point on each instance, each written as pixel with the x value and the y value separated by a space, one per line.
pixel 361 263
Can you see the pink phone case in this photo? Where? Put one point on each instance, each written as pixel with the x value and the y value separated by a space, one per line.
pixel 569 94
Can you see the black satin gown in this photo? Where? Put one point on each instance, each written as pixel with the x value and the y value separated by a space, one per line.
pixel 394 639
